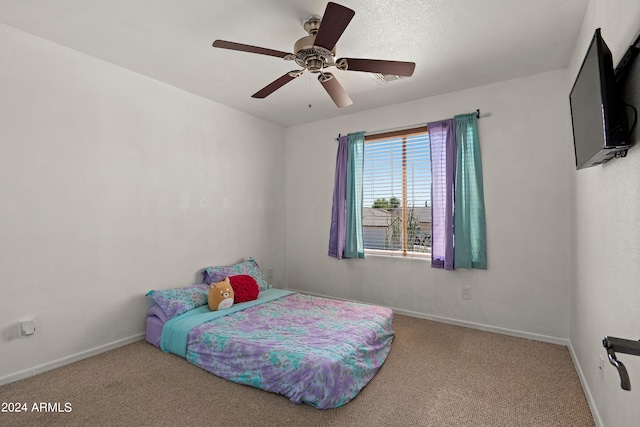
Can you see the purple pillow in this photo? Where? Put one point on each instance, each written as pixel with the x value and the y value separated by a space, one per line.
pixel 248 267
pixel 174 302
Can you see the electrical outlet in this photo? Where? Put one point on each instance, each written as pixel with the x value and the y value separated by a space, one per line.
pixel 26 328
pixel 466 292
pixel 601 368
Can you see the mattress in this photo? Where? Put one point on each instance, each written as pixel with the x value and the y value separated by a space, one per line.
pixel 156 318
pixel 313 350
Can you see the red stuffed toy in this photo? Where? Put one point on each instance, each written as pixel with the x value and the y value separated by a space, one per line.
pixel 245 288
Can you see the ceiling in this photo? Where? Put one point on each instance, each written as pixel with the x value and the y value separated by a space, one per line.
pixel 456 44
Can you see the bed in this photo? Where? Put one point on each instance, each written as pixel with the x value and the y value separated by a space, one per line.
pixel 313 350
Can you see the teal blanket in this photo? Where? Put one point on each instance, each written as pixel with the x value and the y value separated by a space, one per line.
pixel 175 333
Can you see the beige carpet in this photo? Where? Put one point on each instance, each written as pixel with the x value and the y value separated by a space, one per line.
pixel 435 375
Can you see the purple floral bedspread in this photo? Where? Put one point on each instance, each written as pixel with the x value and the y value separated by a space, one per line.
pixel 313 350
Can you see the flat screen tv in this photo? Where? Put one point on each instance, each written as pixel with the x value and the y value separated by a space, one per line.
pixel 600 125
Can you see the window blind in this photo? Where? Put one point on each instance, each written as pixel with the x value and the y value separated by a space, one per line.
pixel 396 194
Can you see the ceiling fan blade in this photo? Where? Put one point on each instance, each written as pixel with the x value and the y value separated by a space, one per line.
pixel 335 90
pixel 273 86
pixel 334 22
pixel 397 68
pixel 248 48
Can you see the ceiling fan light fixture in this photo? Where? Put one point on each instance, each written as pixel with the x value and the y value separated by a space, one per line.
pixel 314 65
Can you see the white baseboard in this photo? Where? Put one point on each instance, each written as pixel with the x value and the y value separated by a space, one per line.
pixel 483 327
pixel 464 323
pixel 68 359
pixel 585 388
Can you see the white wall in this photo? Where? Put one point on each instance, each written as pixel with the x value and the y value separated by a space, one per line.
pixel 112 184
pixel 605 295
pixel 527 157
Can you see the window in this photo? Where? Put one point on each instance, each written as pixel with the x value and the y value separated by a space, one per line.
pixel 396 212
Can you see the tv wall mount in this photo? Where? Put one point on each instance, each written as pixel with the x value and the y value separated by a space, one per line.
pixel 627 59
pixel 620 72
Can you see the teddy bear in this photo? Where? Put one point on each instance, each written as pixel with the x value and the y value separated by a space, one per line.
pixel 221 295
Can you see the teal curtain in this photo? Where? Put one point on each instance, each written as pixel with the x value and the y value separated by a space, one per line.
pixel 354 245
pixel 470 231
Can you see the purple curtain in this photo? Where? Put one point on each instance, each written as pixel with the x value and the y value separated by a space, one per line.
pixel 442 139
pixel 338 214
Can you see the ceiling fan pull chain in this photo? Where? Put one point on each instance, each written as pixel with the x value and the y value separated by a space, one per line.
pixel 309 79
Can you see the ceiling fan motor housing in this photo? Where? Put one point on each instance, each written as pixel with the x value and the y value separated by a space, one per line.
pixel 313 58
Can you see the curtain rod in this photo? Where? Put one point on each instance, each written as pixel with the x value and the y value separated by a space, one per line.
pixel 478 115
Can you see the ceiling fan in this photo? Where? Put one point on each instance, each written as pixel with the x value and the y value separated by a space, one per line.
pixel 317 51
